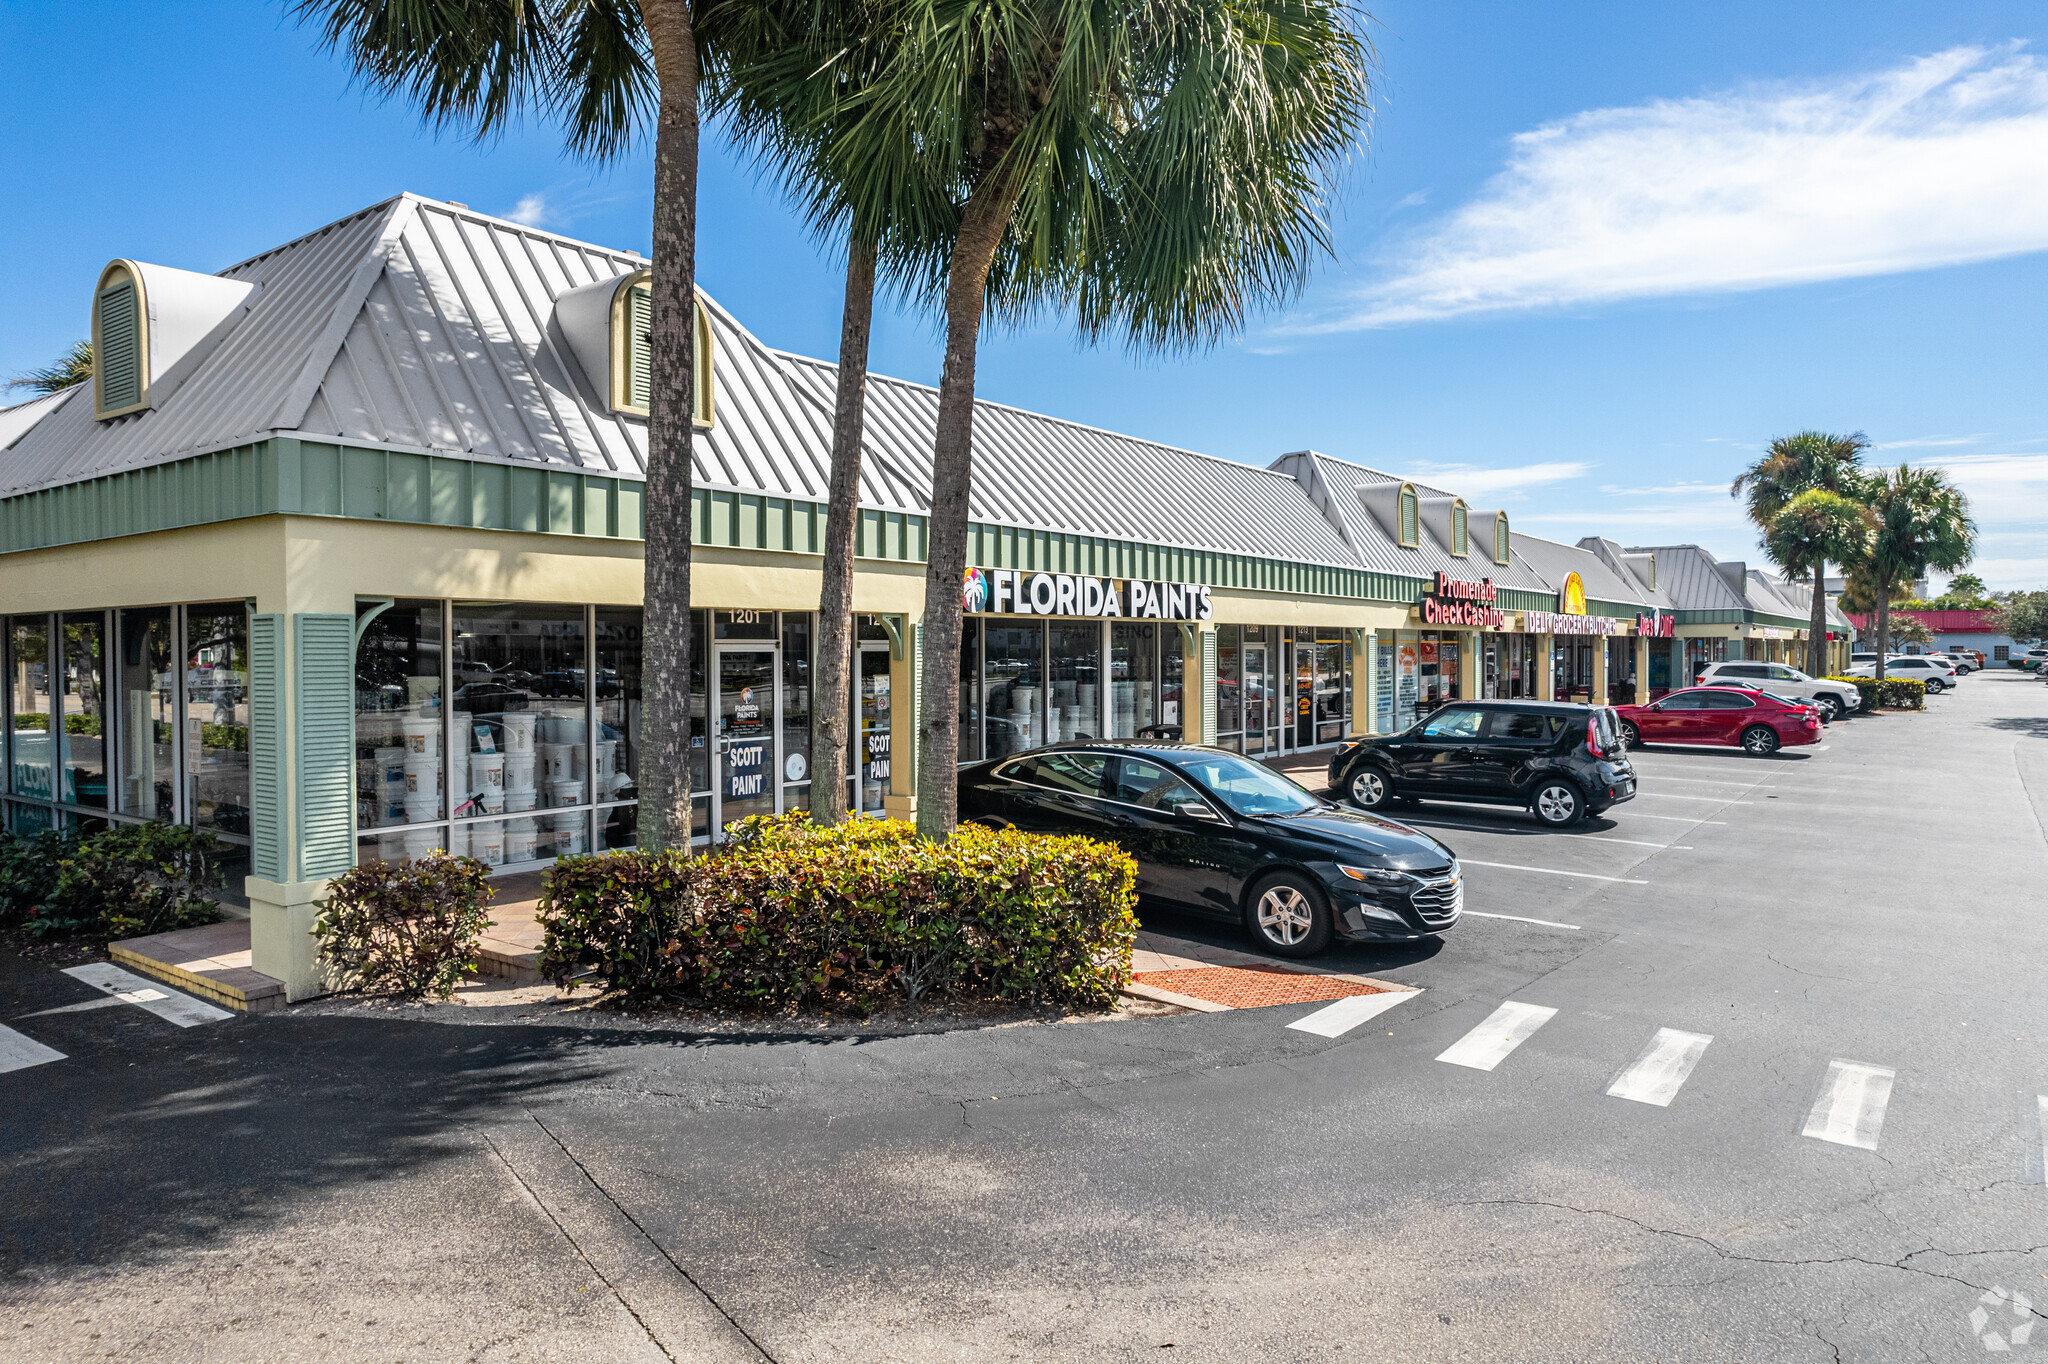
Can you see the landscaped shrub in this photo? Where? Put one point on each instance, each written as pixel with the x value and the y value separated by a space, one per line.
pixel 1900 693
pixel 129 880
pixel 28 873
pixel 405 928
pixel 791 913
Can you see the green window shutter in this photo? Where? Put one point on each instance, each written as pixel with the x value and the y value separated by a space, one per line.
pixel 916 702
pixel 1500 539
pixel 1209 689
pixel 117 364
pixel 266 748
pixel 1460 534
pixel 323 669
pixel 639 347
pixel 1410 531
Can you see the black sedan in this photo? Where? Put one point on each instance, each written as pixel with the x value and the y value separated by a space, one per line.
pixel 1225 836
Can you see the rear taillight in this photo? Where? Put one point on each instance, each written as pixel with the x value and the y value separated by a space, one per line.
pixel 1593 737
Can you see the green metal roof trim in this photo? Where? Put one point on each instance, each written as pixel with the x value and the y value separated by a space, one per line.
pixel 289 476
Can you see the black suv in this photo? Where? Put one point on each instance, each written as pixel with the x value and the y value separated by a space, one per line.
pixel 1561 761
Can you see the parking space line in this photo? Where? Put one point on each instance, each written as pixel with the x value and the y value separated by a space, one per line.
pixel 1655 1076
pixel 1632 842
pixel 2042 1100
pixel 1547 923
pixel 1335 1020
pixel 1704 781
pixel 19 1053
pixel 166 1004
pixel 1673 795
pixel 1506 1028
pixel 1849 1110
pixel 1675 819
pixel 109 1002
pixel 1552 871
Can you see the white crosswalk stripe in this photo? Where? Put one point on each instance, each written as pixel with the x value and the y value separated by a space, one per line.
pixel 1655 1076
pixel 1849 1110
pixel 1506 1028
pixel 1337 1019
pixel 166 1004
pixel 18 1052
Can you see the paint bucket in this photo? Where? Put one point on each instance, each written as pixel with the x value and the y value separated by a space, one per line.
pixel 554 761
pixel 421 809
pixel 579 757
pixel 519 731
pixel 519 798
pixel 518 770
pixel 566 793
pixel 422 778
pixel 487 842
pixel 422 735
pixel 522 840
pixel 389 760
pixel 494 801
pixel 607 751
pixel 570 832
pixel 487 773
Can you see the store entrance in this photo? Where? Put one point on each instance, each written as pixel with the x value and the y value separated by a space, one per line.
pixel 870 774
pixel 1257 699
pixel 747 703
pixel 1303 730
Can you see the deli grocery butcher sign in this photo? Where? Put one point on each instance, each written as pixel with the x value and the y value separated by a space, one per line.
pixel 1014 592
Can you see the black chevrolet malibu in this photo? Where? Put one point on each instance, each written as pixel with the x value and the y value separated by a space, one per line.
pixel 1223 835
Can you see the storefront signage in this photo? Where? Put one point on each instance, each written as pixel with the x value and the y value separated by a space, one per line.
pixel 1455 602
pixel 1013 592
pixel 746 773
pixel 1573 598
pixel 1562 623
pixel 1657 625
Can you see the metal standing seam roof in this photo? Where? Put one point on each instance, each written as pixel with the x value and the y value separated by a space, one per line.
pixel 15 421
pixel 1554 560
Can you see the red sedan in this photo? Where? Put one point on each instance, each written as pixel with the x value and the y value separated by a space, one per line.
pixel 1721 717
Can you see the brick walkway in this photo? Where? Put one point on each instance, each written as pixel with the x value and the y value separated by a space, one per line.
pixel 1254 987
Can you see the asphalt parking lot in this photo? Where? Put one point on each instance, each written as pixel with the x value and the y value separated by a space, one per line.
pixel 1751 1068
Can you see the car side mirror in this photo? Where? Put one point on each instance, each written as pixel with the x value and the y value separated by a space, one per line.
pixel 1199 811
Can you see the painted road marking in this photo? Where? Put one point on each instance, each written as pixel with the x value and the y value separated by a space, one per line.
pixel 19 1053
pixel 1506 1028
pixel 1547 923
pixel 1654 1077
pixel 1632 842
pixel 1552 871
pixel 1703 781
pixel 1335 1020
pixel 168 1005
pixel 1849 1110
pixel 1675 819
pixel 112 1002
pixel 1672 795
pixel 2042 1100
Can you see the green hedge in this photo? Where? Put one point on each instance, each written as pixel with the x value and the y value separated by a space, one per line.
pixel 1900 693
pixel 408 929
pixel 124 881
pixel 792 913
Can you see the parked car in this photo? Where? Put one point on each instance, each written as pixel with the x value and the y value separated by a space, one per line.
pixel 1938 675
pixel 1226 836
pixel 1832 699
pixel 1958 661
pixel 1722 717
pixel 2032 659
pixel 1562 761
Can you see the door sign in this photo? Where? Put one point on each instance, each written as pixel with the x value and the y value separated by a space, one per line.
pixel 746 772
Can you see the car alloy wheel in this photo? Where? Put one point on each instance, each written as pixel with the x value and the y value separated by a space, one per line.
pixel 1557 803
pixel 1760 741
pixel 1369 790
pixel 1289 917
pixel 1830 709
pixel 1631 737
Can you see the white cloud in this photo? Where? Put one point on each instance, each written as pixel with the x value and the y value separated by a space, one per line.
pixel 532 209
pixel 1469 481
pixel 1919 442
pixel 1940 161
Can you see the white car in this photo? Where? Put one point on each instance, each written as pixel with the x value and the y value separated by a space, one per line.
pixel 1832 699
pixel 1938 676
pixel 1960 662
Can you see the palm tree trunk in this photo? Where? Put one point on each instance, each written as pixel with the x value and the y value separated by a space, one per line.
pixel 830 702
pixel 981 231
pixel 1884 634
pixel 1817 627
pixel 664 757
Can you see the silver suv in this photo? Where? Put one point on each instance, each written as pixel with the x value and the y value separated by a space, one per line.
pixel 1832 699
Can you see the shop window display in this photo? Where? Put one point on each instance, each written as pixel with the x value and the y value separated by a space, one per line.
pixel 217 718
pixel 32 741
pixel 1013 690
pixel 1074 709
pixel 796 711
pixel 971 705
pixel 400 747
pixel 83 707
pixel 146 694
pixel 1134 678
pixel 1229 689
pixel 521 726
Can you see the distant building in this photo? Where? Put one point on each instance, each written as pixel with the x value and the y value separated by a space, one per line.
pixel 1952 630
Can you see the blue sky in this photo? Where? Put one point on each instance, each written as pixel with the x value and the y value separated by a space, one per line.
pixel 1593 257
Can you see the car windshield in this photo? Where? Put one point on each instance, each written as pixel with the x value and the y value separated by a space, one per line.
pixel 1247 787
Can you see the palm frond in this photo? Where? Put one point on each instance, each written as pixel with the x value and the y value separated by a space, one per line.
pixel 74 367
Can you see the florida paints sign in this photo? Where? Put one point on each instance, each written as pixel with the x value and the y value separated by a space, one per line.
pixel 1013 592
pixel 1453 601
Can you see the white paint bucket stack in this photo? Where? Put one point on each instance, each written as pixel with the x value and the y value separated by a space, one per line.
pixel 487 841
pixel 522 840
pixel 487 779
pixel 569 832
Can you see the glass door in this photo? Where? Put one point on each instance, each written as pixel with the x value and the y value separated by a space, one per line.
pixel 871 728
pixel 1256 699
pixel 1304 696
pixel 748 707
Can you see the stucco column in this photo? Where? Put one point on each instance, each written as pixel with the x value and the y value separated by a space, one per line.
pixel 900 800
pixel 1546 668
pixel 1642 662
pixel 1468 664
pixel 1600 654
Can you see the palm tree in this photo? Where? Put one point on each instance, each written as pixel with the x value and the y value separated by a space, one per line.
pixel 785 79
pixel 1160 166
pixel 74 367
pixel 601 67
pixel 1921 520
pixel 1811 461
pixel 1814 529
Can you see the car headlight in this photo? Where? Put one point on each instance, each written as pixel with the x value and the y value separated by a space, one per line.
pixel 1376 876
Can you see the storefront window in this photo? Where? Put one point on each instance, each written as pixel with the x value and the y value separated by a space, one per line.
pixel 217 718
pixel 84 708
pixel 1382 686
pixel 1329 697
pixel 871 762
pixel 1013 688
pixel 146 695
pixel 1261 710
pixel 1173 662
pixel 796 710
pixel 1229 688
pixel 33 743
pixel 522 725
pixel 1074 711
pixel 1134 679
pixel 1408 680
pixel 615 753
pixel 971 707
pixel 400 749
pixel 1701 652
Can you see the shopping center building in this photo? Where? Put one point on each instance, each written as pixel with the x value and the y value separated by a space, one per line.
pixel 339 557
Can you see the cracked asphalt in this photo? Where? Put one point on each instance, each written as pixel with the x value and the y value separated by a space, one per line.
pixel 350 1188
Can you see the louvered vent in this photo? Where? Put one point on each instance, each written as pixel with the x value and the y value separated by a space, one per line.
pixel 1411 530
pixel 117 358
pixel 1460 539
pixel 639 347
